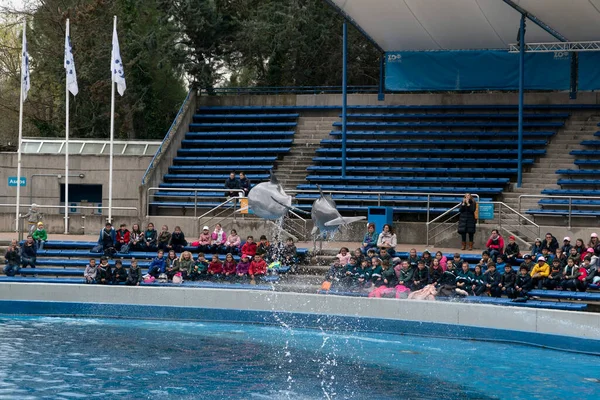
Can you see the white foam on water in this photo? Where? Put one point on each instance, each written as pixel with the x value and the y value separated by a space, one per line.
pixel 72 395
pixel 162 372
pixel 118 391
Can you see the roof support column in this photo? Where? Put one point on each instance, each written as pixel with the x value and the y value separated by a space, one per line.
pixel 381 94
pixel 344 94
pixel 574 75
pixel 521 97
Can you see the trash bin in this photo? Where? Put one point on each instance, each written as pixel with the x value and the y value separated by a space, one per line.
pixel 381 216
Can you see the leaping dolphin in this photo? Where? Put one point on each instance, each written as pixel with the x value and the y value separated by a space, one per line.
pixel 268 200
pixel 326 218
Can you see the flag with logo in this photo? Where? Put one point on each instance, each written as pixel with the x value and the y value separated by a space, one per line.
pixel 116 66
pixel 70 64
pixel 25 82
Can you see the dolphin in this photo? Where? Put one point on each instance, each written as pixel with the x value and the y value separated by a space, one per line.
pixel 268 200
pixel 326 217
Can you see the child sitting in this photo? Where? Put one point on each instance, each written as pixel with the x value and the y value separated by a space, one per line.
pixel 350 273
pixel 137 238
pixel 370 239
pixel 218 239
pixel 492 280
pixel 500 263
pixel 107 239
pixel 12 258
pixel 540 271
pixel 177 241
pixel 123 237
pixel 40 236
pixel 375 272
pixel 249 248
pixel 186 264
pixel 242 268
pixel 512 251
pixel 576 281
pixel 90 272
pixel 554 280
pixel 215 268
pixel 420 277
pixel 164 237
pixel 527 263
pixel 508 280
pixel 362 273
pixel 457 261
pixel 104 274
pixel 478 286
pixel 157 266
pixel 522 283
pixel 435 272
pixel 288 255
pixel 229 266
pixel 336 272
pixel 150 237
pixel 134 277
pixel 233 243
pixel 200 269
pixel 28 253
pixel 464 278
pixel 344 256
pixel 262 249
pixel 204 241
pixel 406 273
pixel 384 255
pixel 119 273
pixel 171 265
pixel 358 255
pixel 258 267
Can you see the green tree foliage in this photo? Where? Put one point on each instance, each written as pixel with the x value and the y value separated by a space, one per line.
pixel 154 85
pixel 268 43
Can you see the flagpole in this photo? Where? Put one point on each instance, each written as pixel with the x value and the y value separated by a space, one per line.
pixel 67 145
pixel 20 133
pixel 112 134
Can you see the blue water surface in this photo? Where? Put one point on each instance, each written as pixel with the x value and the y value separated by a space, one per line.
pixel 66 358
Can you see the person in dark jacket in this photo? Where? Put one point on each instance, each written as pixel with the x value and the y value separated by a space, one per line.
pixel 435 272
pixel 177 241
pixel 420 277
pixel 508 280
pixel 447 284
pixel 134 277
pixel 104 274
pixel 523 283
pixel 554 280
pixel 29 253
pixel 150 238
pixel 119 273
pixel 336 272
pixel 466 221
pixel 12 257
pixel 107 240
pixel 512 251
pixel 550 243
pixel 157 265
pixel 245 184
pixel 478 287
pixel 492 280
pixel 527 262
pixel 464 279
pixel 232 183
pixel 566 247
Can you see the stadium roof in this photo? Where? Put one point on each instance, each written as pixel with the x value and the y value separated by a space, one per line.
pixel 397 25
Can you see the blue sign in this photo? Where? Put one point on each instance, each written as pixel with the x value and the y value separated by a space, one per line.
pixel 486 70
pixel 486 211
pixel 12 181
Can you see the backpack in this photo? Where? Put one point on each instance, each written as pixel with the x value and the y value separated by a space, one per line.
pixel 162 278
pixel 178 278
pixel 124 249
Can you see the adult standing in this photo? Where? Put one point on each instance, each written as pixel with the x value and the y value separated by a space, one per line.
pixel 467 222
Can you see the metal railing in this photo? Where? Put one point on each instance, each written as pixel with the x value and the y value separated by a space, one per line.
pixel 505 217
pixel 217 214
pixel 570 204
pixel 194 196
pixel 276 90
pixel 297 226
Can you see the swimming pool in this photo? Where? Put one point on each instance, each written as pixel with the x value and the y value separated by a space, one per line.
pixel 48 357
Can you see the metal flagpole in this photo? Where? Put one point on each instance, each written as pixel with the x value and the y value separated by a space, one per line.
pixel 20 130
pixel 112 135
pixel 67 144
pixel 521 99
pixel 344 94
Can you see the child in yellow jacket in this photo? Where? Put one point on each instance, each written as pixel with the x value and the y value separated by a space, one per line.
pixel 539 272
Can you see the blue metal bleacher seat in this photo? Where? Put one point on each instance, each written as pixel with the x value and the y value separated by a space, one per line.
pixel 564 212
pixel 238 134
pixel 245 116
pixel 408 179
pixel 249 169
pixel 578 182
pixel 422 160
pixel 593 153
pixel 248 144
pixel 591 143
pixel 558 115
pixel 433 151
pixel 399 189
pixel 565 202
pixel 208 177
pixel 257 150
pixel 566 295
pixel 443 134
pixel 578 172
pixel 241 125
pixel 571 192
pixel 436 143
pixel 226 160
pixel 537 124
pixel 413 170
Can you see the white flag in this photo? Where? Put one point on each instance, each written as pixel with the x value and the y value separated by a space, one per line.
pixel 116 65
pixel 25 82
pixel 70 64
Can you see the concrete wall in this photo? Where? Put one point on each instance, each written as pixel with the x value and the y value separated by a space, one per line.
pixel 503 323
pixel 44 190
pixel 408 98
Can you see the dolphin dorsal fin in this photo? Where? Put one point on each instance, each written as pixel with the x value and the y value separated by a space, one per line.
pixel 274 180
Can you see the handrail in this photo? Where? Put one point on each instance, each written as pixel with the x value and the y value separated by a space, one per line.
pixel 61 207
pixel 167 136
pixel 570 198
pixel 445 213
pixel 428 224
pixel 292 89
pixel 516 212
pixel 186 190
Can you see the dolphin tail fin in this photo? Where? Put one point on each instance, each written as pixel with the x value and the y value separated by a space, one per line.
pixel 239 210
pixel 290 208
pixel 343 221
pixel 273 178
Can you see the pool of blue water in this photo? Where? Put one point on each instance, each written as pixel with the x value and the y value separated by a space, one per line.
pixel 66 358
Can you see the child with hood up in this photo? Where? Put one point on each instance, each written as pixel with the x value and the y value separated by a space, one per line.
pixel 33 216
pixel 242 268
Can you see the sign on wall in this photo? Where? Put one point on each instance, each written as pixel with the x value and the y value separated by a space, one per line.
pixel 12 181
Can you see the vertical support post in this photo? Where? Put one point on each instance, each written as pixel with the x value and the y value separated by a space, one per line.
pixel 570 211
pixel 521 98
pixel 344 95
pixel 428 204
pixel 67 141
pixel 574 75
pixel 381 94
pixel 19 149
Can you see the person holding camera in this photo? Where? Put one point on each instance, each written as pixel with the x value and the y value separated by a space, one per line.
pixel 467 221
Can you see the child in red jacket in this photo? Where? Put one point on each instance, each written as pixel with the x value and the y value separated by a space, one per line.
pixel 123 237
pixel 229 266
pixel 215 268
pixel 258 267
pixel 249 247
